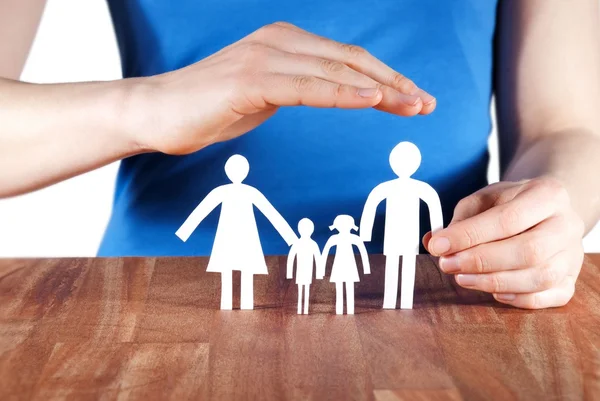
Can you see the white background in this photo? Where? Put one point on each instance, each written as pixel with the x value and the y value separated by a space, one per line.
pixel 76 42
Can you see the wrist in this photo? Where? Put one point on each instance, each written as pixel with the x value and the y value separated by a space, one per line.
pixel 136 114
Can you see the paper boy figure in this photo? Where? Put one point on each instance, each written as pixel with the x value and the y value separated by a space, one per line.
pixel 307 253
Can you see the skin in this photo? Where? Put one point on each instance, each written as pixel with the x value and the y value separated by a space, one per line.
pixel 519 239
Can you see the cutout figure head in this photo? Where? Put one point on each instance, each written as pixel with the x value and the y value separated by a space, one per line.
pixel 306 227
pixel 405 159
pixel 343 223
pixel 237 168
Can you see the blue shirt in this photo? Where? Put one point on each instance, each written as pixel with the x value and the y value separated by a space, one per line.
pixel 315 163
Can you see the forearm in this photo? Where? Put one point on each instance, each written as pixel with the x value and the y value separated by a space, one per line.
pixel 52 132
pixel 572 157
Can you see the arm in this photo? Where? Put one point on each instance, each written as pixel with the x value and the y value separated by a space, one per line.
pixel 363 255
pixel 521 239
pixel 208 204
pixel 323 259
pixel 290 262
pixel 19 21
pixel 50 132
pixel 317 260
pixel 265 207
pixel 431 198
pixel 367 219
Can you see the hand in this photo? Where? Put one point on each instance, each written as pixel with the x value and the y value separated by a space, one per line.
pixel 520 241
pixel 365 236
pixel 236 89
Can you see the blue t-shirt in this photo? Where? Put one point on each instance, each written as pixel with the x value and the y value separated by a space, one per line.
pixel 315 163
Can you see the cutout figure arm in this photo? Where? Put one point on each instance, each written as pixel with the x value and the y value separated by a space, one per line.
pixel 363 255
pixel 290 262
pixel 208 204
pixel 276 219
pixel 317 258
pixel 431 198
pixel 377 195
pixel 323 259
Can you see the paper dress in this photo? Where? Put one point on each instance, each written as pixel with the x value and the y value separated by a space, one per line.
pixel 344 270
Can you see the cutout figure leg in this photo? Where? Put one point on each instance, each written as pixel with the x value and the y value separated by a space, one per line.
pixel 390 293
pixel 408 281
pixel 247 291
pixel 300 299
pixel 350 298
pixel 339 298
pixel 306 297
pixel 226 290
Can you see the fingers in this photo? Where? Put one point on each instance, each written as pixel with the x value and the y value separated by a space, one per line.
pixel 530 280
pixel 296 90
pixel 529 249
pixel 532 205
pixel 553 297
pixel 481 200
pixel 334 71
pixel 292 39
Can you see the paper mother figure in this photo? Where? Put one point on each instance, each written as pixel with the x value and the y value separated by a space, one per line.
pixel 401 236
pixel 237 244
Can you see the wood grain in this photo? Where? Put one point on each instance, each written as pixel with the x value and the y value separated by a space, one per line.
pixel 150 329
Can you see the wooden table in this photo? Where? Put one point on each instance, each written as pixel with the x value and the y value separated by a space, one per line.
pixel 144 329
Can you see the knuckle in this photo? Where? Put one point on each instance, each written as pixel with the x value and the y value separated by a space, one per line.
pixel 332 67
pixel 302 83
pixel 532 302
pixel 400 81
pixel 471 236
pixel 254 52
pixel 496 283
pixel 546 278
pixel 553 189
pixel 338 90
pixel 534 252
pixel 283 24
pixel 270 30
pixel 480 263
pixel 509 219
pixel 354 50
pixel 465 204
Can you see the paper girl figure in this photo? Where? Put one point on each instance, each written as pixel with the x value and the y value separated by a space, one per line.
pixel 401 237
pixel 237 244
pixel 307 253
pixel 344 269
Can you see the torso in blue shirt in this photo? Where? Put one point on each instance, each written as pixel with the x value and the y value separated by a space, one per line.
pixel 314 163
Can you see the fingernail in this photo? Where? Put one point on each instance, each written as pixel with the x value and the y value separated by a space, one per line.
pixel 449 264
pixel 426 97
pixel 505 297
pixel 368 92
pixel 440 245
pixel 409 99
pixel 466 280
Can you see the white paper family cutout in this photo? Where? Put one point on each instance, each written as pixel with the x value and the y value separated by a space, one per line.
pixel 401 235
pixel 344 270
pixel 307 254
pixel 237 230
